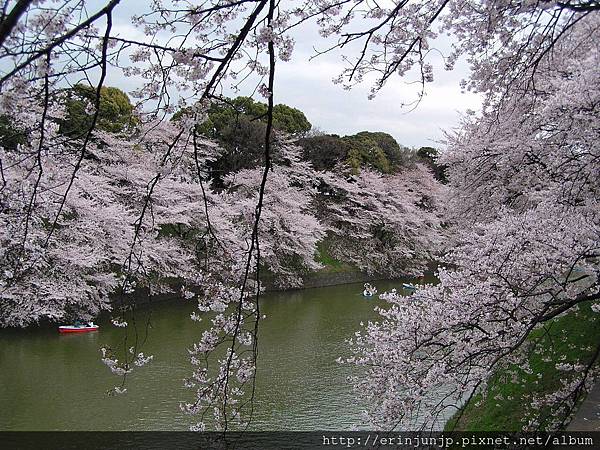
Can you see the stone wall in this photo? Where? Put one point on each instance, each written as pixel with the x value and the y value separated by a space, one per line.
pixel 321 279
pixel 311 280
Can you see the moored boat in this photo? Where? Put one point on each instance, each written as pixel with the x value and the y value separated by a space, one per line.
pixel 78 328
pixel 409 286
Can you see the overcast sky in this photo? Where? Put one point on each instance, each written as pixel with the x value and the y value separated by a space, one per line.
pixel 307 85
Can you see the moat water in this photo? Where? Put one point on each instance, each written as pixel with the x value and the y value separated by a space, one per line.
pixel 50 381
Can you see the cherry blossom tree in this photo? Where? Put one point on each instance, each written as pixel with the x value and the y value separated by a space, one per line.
pixel 46 48
pixel 523 208
pixel 289 230
pixel 64 254
pixel 384 224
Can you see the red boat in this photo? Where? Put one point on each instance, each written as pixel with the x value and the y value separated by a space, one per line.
pixel 78 328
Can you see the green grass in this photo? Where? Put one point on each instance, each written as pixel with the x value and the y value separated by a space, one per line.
pixel 510 390
pixel 331 264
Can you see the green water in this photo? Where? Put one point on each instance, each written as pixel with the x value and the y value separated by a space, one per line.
pixel 57 382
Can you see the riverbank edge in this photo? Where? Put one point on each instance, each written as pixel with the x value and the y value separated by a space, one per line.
pixel 585 419
pixel 310 280
pixel 480 414
pixel 324 279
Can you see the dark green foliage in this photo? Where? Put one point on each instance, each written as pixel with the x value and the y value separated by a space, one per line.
pixel 324 152
pixel 428 156
pixel 227 115
pixel 427 153
pixel 290 119
pixel 244 143
pixel 239 125
pixel 285 118
pixel 366 152
pixel 247 106
pixel 229 112
pixel 115 115
pixel 376 150
pixel 10 136
pixel 395 154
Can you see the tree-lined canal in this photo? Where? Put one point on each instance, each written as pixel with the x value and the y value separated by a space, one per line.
pixel 57 382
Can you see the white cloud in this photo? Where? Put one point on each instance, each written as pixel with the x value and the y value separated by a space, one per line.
pixel 307 85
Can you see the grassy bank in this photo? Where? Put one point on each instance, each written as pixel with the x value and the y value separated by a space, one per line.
pixel 333 271
pixel 511 389
pixel 331 264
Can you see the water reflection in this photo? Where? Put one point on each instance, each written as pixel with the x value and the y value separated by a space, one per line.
pixel 50 381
